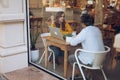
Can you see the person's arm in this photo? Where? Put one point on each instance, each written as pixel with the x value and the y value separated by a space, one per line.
pixel 79 38
pixel 52 24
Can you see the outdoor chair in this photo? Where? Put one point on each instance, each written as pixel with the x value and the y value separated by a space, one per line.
pixel 97 64
pixel 43 35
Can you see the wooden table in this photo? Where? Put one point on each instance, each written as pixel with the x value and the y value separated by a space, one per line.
pixel 61 44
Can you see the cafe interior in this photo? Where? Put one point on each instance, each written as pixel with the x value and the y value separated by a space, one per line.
pixel 40 12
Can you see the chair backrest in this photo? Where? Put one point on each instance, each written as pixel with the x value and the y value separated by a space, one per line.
pixel 43 35
pixel 99 57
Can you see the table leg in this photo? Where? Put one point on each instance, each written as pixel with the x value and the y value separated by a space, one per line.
pixel 65 63
pixel 46 56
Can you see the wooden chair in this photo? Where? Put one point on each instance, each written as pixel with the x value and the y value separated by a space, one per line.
pixel 99 58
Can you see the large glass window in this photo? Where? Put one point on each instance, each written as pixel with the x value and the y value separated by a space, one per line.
pixel 39 14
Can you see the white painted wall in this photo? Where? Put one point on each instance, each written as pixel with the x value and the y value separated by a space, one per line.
pixel 13 35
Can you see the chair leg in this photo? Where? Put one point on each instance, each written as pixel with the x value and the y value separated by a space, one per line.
pixel 41 57
pixel 104 74
pixel 53 61
pixel 82 73
pixel 48 58
pixel 52 54
pixel 73 71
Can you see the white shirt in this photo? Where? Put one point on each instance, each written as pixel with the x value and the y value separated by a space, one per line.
pixel 91 40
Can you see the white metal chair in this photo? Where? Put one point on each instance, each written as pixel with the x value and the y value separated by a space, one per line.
pixel 43 35
pixel 99 58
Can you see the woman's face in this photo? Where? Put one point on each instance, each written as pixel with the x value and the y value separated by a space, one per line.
pixel 62 18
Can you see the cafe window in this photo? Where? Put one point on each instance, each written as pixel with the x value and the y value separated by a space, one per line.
pixel 39 12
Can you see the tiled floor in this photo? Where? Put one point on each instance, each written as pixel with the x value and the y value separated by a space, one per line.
pixel 29 73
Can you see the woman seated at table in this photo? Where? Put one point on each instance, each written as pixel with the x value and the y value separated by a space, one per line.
pixel 59 22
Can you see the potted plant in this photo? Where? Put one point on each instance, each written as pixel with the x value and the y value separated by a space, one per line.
pixel 34 51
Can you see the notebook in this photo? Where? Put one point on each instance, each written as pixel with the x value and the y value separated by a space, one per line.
pixel 55 32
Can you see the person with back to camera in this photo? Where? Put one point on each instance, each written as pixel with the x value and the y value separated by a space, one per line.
pixel 65 28
pixel 90 38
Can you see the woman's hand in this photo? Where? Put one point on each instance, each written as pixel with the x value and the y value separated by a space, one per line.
pixel 52 19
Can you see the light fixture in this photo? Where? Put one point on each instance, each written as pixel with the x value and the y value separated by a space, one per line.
pixel 54 9
pixel 90 1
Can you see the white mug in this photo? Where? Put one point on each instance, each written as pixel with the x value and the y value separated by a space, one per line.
pixel 68 39
pixel 74 33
